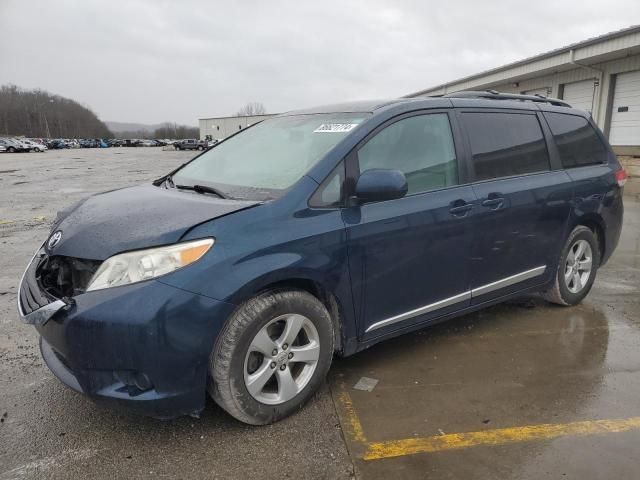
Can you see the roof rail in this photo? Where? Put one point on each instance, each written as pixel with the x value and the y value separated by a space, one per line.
pixel 494 95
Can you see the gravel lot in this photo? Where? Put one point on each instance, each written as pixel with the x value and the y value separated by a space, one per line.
pixel 522 364
pixel 49 431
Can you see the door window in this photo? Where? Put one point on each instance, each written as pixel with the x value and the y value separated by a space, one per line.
pixel 421 147
pixel 578 143
pixel 505 144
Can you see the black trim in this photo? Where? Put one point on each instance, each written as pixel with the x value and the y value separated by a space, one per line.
pixel 315 201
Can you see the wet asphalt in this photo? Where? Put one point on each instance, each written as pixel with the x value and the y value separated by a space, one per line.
pixel 522 364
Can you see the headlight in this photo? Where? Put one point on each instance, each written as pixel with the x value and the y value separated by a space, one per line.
pixel 132 267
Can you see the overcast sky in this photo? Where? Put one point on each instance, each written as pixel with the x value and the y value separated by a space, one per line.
pixel 153 60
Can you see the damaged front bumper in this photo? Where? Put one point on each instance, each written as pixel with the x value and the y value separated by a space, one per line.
pixel 35 307
pixel 144 346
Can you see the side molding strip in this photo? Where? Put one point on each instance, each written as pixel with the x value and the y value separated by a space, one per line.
pixel 468 295
pixel 419 311
pixel 505 282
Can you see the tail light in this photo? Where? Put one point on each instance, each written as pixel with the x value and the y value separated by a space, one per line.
pixel 621 177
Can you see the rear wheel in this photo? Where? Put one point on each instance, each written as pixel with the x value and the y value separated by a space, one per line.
pixel 11 150
pixel 577 268
pixel 272 355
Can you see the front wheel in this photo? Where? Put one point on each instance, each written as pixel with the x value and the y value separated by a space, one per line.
pixel 577 268
pixel 273 354
pixel 11 150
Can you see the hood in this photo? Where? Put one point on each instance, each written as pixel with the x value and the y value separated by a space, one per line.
pixel 134 218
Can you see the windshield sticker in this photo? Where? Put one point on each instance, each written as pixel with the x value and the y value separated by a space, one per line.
pixel 335 127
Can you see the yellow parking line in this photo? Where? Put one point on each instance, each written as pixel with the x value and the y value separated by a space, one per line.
pixel 410 446
pixel 353 425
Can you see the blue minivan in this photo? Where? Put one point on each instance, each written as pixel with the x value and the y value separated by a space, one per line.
pixel 316 233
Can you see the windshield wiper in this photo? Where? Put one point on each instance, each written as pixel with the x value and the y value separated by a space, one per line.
pixel 203 189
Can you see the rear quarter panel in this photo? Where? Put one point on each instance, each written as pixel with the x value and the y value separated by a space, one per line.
pixel 598 199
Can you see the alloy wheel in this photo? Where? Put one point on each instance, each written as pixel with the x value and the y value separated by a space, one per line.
pixel 578 266
pixel 281 359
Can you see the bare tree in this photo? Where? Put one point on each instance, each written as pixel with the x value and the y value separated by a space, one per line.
pixel 251 109
pixel 37 113
pixel 173 130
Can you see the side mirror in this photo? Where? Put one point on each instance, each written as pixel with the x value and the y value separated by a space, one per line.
pixel 379 184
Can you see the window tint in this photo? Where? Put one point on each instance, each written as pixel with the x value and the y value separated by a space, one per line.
pixel 421 147
pixel 577 141
pixel 505 144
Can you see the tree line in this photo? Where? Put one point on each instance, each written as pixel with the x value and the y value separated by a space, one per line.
pixel 166 130
pixel 40 114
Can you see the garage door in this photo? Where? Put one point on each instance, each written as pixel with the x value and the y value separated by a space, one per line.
pixel 579 94
pixel 625 112
pixel 545 92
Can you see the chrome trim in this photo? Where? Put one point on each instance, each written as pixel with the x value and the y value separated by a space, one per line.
pixel 41 315
pixel 419 311
pixel 505 282
pixel 20 312
pixel 468 295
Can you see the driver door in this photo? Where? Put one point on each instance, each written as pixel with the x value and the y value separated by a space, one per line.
pixel 409 257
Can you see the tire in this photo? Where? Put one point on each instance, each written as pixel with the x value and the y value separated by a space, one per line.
pixel 200 148
pixel 566 289
pixel 11 150
pixel 37 150
pixel 235 359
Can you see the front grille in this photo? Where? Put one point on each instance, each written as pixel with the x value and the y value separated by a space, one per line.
pixel 50 278
pixel 31 296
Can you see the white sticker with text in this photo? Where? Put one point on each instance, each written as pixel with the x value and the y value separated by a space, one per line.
pixel 335 127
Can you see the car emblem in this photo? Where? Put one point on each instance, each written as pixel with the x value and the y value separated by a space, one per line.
pixel 54 239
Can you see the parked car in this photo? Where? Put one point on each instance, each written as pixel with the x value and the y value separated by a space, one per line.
pixel 190 144
pixel 57 144
pixel 13 145
pixel 34 146
pixel 316 233
pixel 88 143
pixel 3 149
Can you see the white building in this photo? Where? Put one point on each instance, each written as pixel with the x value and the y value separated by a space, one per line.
pixel 600 75
pixel 222 127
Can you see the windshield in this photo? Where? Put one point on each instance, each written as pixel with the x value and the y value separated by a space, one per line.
pixel 267 159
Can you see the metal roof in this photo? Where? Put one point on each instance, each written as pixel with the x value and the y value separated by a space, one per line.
pixel 635 29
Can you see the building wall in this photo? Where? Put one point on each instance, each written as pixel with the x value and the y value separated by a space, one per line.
pixel 222 127
pixel 604 73
pixel 603 91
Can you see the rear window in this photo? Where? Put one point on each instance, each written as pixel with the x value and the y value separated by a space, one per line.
pixel 577 141
pixel 505 144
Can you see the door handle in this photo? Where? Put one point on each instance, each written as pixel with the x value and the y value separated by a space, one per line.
pixel 459 209
pixel 493 201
